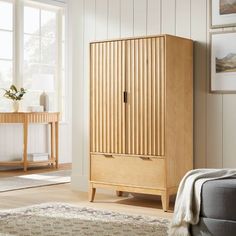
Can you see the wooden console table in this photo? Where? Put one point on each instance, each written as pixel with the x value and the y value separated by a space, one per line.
pixel 25 118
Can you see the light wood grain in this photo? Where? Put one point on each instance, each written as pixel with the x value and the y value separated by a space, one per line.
pixel 34 117
pixel 126 170
pixel 138 110
pixel 64 193
pixel 179 109
pixel 150 137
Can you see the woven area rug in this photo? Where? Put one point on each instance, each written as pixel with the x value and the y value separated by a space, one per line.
pixel 57 219
pixel 34 180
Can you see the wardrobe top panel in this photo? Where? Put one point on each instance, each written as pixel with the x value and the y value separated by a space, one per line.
pixel 140 37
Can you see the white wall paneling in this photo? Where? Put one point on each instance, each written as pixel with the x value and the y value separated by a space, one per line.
pixel 127 18
pixel 90 15
pixel 114 23
pixel 214 114
pixel 76 63
pixel 101 19
pixel 168 14
pixel 140 17
pixel 11 141
pixel 199 34
pixel 183 18
pixel 214 118
pixel 153 16
pixel 229 127
pixel 214 131
pixel 229 131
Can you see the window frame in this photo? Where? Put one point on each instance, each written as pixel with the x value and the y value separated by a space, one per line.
pixel 13 38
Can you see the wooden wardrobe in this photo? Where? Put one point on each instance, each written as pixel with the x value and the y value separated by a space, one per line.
pixel 141 114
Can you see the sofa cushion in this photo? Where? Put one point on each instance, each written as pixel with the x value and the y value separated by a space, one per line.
pixel 213 227
pixel 219 199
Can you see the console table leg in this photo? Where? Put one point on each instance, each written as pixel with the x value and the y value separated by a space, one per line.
pixel 57 141
pixel 25 145
pixel 52 141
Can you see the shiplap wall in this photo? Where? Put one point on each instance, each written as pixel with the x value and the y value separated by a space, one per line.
pixel 214 115
pixel 11 141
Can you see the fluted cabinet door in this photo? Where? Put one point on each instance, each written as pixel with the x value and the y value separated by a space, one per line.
pixel 107 108
pixel 145 84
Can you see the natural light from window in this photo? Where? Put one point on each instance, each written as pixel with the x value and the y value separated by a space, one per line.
pixel 6 49
pixel 33 49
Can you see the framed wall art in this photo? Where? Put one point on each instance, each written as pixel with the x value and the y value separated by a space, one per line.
pixel 223 13
pixel 223 62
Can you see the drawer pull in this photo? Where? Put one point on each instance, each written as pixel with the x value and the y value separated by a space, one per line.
pixel 145 158
pixel 108 156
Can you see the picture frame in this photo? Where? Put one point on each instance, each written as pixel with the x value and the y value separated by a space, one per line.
pixel 223 13
pixel 223 62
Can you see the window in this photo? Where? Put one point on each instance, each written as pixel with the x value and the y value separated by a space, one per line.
pixel 40 44
pixel 6 48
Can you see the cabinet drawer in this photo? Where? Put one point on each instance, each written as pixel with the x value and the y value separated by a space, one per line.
pixel 126 170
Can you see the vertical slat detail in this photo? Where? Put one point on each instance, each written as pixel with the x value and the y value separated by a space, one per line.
pixel 100 98
pixel 104 92
pixel 148 120
pixel 163 96
pixel 128 87
pixel 119 116
pixel 115 100
pixel 138 126
pixel 153 96
pixel 132 105
pixel 123 122
pixel 112 96
pixel 145 93
pixel 108 111
pixel 136 100
pixel 92 100
pixel 141 98
pixel 96 115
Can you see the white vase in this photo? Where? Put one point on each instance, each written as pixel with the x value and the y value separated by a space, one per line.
pixel 15 106
pixel 44 101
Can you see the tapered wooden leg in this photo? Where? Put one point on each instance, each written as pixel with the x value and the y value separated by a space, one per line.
pixel 25 145
pixel 53 143
pixel 92 192
pixel 165 199
pixel 119 193
pixel 57 143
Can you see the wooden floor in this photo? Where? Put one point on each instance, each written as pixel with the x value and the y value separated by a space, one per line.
pixel 64 193
pixel 32 170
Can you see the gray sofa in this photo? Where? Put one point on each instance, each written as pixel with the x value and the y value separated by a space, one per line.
pixel 218 209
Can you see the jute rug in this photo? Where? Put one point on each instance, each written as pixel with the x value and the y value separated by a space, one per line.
pixel 34 180
pixel 55 219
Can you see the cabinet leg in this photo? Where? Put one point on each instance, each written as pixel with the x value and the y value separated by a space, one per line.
pixel 92 192
pixel 165 199
pixel 119 193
